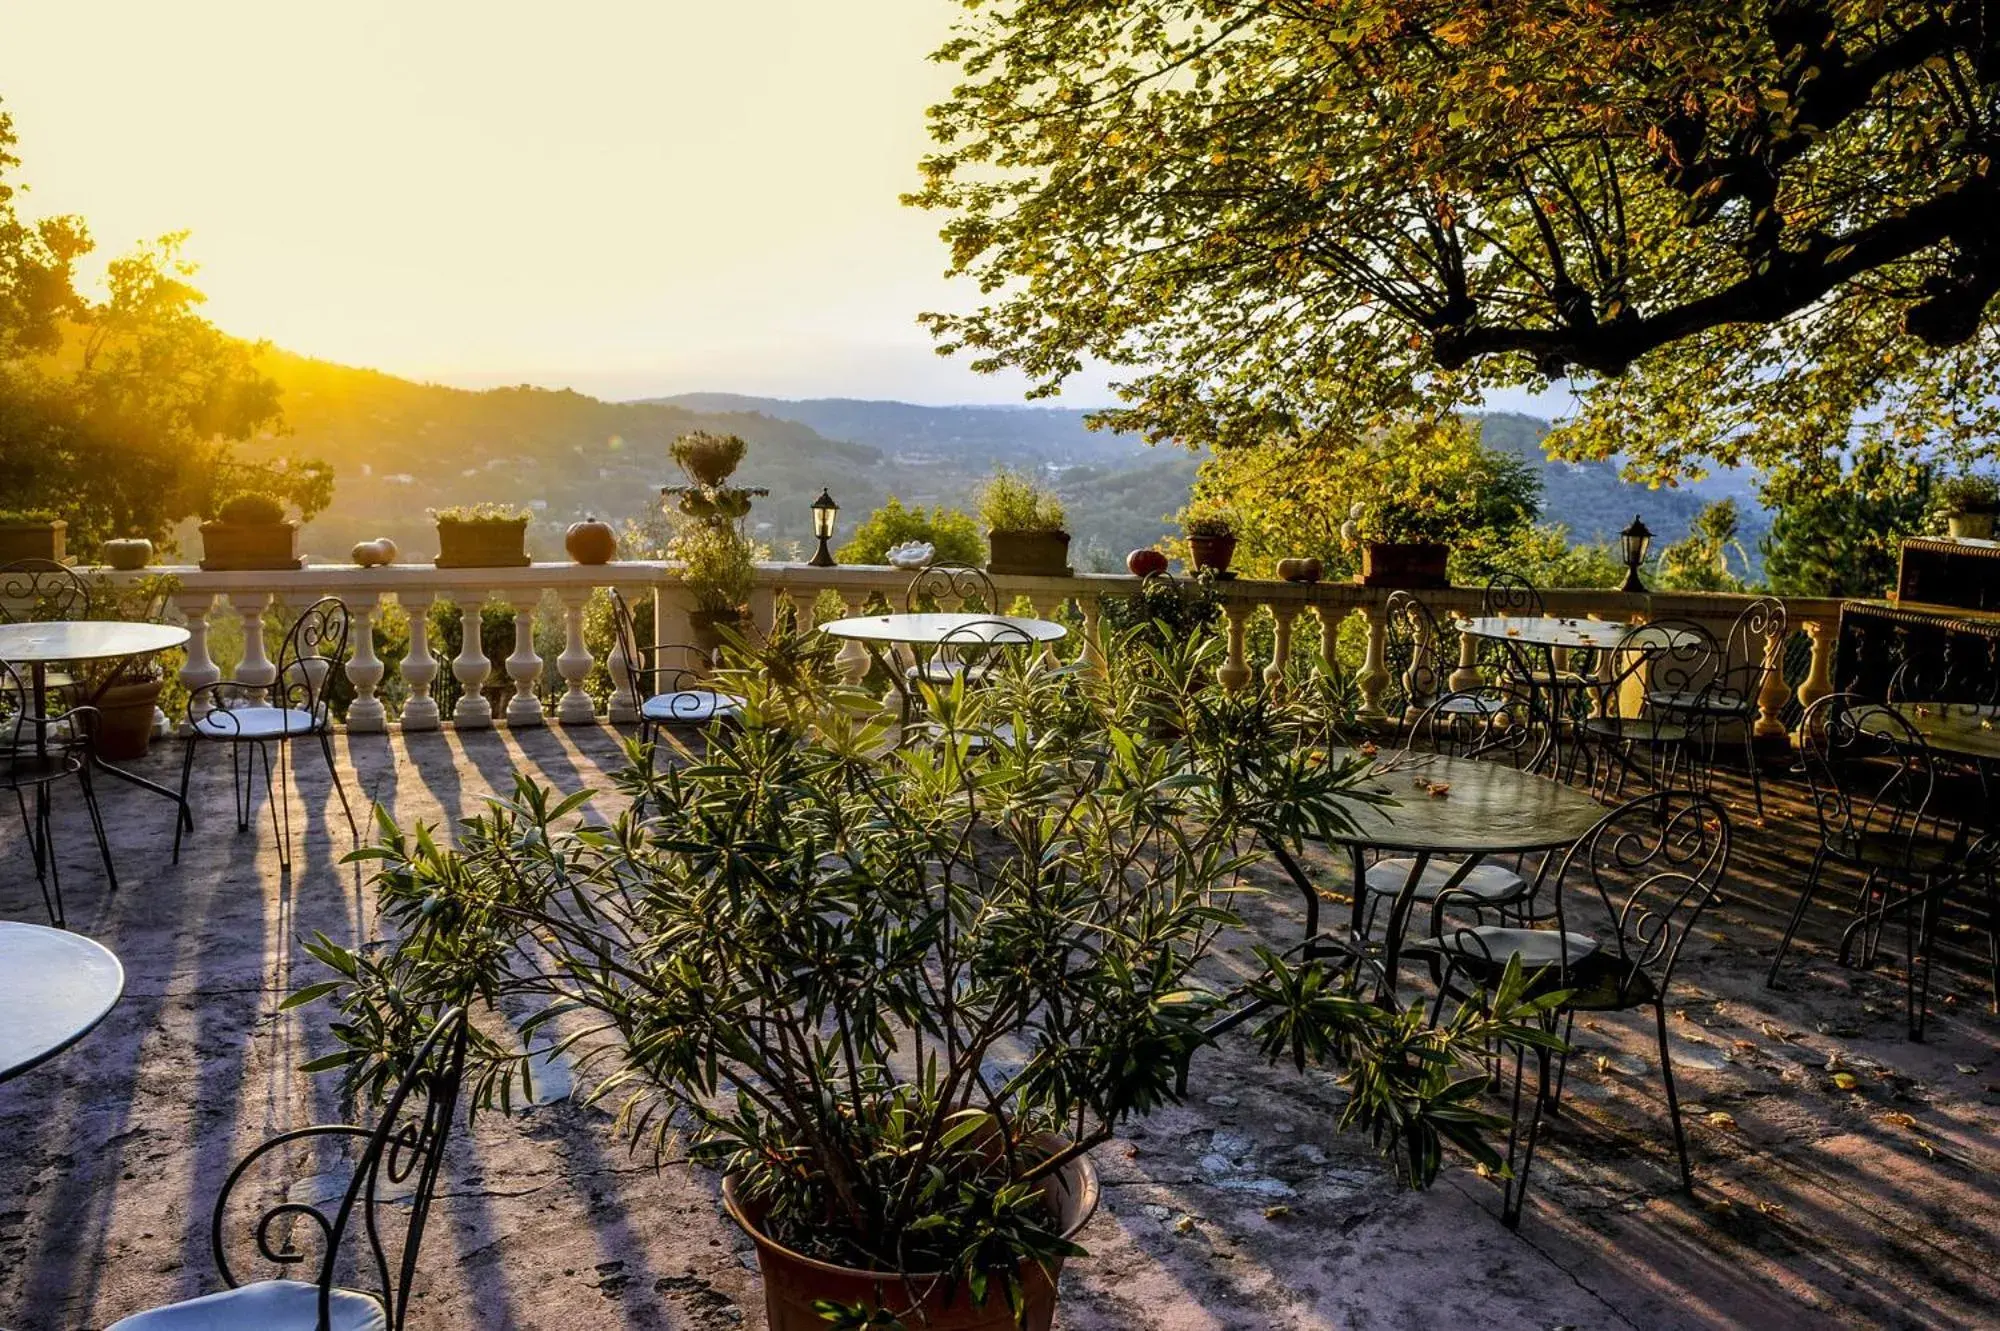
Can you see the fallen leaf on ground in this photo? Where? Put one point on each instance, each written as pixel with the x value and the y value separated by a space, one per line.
pixel 1276 1212
pixel 1743 1045
pixel 1184 1225
pixel 1846 1081
pixel 1898 1120
pixel 1966 1069
pixel 1722 1119
pixel 1771 1208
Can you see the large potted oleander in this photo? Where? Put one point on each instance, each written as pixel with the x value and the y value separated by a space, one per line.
pixel 897 1002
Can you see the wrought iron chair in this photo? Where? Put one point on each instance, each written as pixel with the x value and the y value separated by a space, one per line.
pixel 670 692
pixel 948 586
pixel 1413 650
pixel 1555 685
pixel 971 649
pixel 294 705
pixel 1874 784
pixel 393 1185
pixel 1637 882
pixel 40 590
pixel 36 752
pixel 1674 656
pixel 1743 662
pixel 1470 723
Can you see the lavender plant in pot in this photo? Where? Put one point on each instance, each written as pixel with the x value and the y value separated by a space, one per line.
pixel 897 1001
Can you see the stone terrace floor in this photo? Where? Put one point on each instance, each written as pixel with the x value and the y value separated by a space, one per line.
pixel 1817 1206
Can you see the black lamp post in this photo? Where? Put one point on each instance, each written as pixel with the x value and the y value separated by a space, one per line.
pixel 824 511
pixel 1637 540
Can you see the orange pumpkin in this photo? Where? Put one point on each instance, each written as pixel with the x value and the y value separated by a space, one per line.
pixel 591 542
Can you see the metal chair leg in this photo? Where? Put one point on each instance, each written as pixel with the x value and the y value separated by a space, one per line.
pixel 51 885
pixel 280 834
pixel 184 819
pixel 340 789
pixel 1516 1181
pixel 97 825
pixel 1756 768
pixel 1673 1098
pixel 1798 914
pixel 1562 1061
pixel 1921 933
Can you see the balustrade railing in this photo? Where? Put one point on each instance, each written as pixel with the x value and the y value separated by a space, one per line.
pixel 1292 610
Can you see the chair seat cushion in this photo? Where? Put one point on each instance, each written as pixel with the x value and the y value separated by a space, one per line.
pixel 256 723
pixel 944 672
pixel 1639 729
pixel 690 707
pixel 268 1305
pixel 1462 704
pixel 1487 882
pixel 1493 944
pixel 25 767
pixel 1706 704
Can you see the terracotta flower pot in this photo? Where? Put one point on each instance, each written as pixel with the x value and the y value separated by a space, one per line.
pixel 1410 565
pixel 1034 554
pixel 1212 551
pixel 500 543
pixel 250 545
pixel 124 726
pixel 33 540
pixel 793 1281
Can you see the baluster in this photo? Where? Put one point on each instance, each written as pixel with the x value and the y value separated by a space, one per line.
pixel 470 667
pixel 1771 699
pixel 1330 616
pixel 524 666
pixel 803 608
pixel 1093 639
pixel 199 669
pixel 1235 672
pixel 420 667
pixel 365 714
pixel 1281 644
pixel 1468 676
pixel 1374 676
pixel 256 669
pixel 624 709
pixel 1047 607
pixel 1819 674
pixel 853 659
pixel 764 610
pixel 575 662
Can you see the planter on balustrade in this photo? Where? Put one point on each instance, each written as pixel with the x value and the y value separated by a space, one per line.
pixel 1410 565
pixel 232 546
pixel 483 543
pixel 1032 554
pixel 33 539
pixel 1211 551
pixel 795 1283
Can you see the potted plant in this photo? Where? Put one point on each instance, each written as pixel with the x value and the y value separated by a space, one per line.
pixel 125 692
pixel 897 1004
pixel 250 531
pixel 1024 527
pixel 718 561
pixel 1211 536
pixel 1402 543
pixel 482 536
pixel 1969 501
pixel 32 535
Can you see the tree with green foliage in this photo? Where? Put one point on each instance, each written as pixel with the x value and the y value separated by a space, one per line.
pixel 1839 532
pixel 1414 480
pixel 1700 561
pixel 120 415
pixel 1737 231
pixel 953 534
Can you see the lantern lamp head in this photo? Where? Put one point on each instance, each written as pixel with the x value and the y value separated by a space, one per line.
pixel 824 512
pixel 1638 539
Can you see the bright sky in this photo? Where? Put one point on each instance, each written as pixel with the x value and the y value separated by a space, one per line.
pixel 623 196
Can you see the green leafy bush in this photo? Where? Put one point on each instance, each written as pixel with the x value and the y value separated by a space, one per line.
pixel 953 534
pixel 1012 501
pixel 708 459
pixel 252 510
pixel 1968 492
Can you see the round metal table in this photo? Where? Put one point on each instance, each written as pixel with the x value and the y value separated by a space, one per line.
pixel 1485 808
pixel 54 987
pixel 938 629
pixel 42 644
pixel 1959 729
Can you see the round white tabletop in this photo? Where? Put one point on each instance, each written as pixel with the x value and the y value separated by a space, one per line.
pixel 54 987
pixel 1546 630
pixel 939 629
pixel 84 640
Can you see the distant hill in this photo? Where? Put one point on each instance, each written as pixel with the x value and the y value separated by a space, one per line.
pixel 399 448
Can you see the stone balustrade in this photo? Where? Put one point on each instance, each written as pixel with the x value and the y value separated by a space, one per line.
pixel 1292 608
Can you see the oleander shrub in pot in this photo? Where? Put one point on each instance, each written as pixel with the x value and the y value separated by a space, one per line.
pixel 897 995
pixel 32 534
pixel 1968 502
